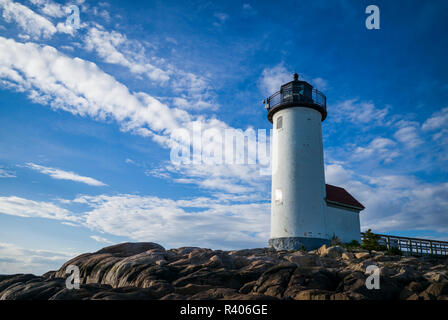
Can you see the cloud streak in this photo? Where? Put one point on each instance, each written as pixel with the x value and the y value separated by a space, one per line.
pixel 6 174
pixel 65 175
pixel 30 22
pixel 15 259
pixel 20 207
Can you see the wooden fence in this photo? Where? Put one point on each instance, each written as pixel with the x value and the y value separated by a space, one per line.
pixel 414 245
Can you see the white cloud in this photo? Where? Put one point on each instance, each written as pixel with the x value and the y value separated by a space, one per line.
pixel 115 48
pixel 102 13
pixel 441 136
pixel 320 83
pixel 193 92
pixel 129 161
pixel 235 179
pixel 248 9
pixel 273 78
pixel 409 135
pixel 65 175
pixel 223 221
pixel 32 23
pixel 101 239
pixel 50 8
pixel 80 87
pixel 336 174
pixel 358 112
pixel 197 222
pixel 7 174
pixel 15 259
pixel 171 40
pixel 221 17
pixel 25 208
pixel 438 120
pixel 380 148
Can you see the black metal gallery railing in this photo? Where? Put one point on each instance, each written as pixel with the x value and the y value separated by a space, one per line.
pixel 286 96
pixel 413 245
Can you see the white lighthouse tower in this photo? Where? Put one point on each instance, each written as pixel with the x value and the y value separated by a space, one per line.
pixel 298 206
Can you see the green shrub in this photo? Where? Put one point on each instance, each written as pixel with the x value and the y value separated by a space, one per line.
pixel 335 241
pixel 394 251
pixel 370 242
pixel 352 245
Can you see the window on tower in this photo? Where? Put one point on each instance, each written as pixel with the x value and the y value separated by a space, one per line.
pixel 278 197
pixel 279 123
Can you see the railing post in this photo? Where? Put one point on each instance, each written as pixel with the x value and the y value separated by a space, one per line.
pixel 430 247
pixel 388 243
pixel 410 246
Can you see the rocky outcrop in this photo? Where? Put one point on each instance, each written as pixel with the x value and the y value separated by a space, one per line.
pixel 148 271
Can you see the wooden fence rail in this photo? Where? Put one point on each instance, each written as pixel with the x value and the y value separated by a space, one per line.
pixel 413 245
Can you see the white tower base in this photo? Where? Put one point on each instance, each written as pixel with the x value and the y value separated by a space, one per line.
pixel 297 243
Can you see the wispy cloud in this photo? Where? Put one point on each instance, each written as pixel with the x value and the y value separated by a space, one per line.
pixel 220 222
pixel 15 259
pixel 80 87
pixel 101 239
pixel 221 18
pixel 380 148
pixel 248 9
pixel 409 135
pixel 357 111
pixel 49 8
pixel 437 121
pixel 65 175
pixel 272 78
pixel 7 174
pixel 191 91
pixel 199 221
pixel 115 48
pixel 17 206
pixel 30 22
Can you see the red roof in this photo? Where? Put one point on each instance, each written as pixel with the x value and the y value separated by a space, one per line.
pixel 340 196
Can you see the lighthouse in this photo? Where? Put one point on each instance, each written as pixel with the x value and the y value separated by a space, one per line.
pixel 298 179
pixel 305 212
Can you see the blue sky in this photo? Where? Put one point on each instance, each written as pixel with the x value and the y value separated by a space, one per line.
pixel 85 117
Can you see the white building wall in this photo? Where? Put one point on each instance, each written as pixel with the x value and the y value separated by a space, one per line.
pixel 298 175
pixel 344 223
